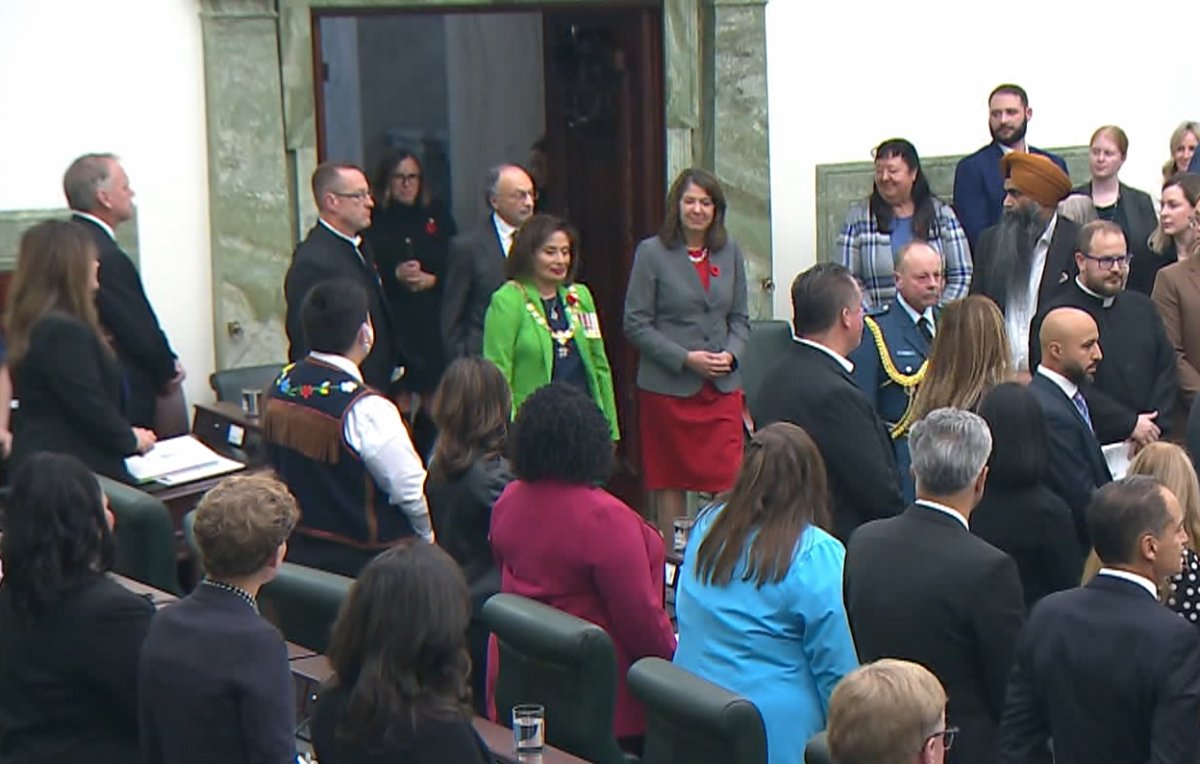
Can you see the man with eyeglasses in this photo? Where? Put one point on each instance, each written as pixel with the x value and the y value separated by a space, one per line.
pixel 334 248
pixel 889 711
pixel 476 260
pixel 1136 384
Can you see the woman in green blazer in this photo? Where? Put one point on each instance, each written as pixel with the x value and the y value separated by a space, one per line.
pixel 541 327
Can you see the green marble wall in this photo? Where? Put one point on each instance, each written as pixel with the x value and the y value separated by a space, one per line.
pixel 839 185
pixel 263 139
pixel 14 222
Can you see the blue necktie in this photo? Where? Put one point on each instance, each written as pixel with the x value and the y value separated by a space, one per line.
pixel 1082 407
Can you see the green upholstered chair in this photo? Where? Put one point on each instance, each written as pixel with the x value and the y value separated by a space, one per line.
pixel 817 750
pixel 564 663
pixel 768 339
pixel 145 536
pixel 229 383
pixel 692 721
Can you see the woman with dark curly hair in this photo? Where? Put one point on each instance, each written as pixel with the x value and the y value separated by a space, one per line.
pixel 561 539
pixel 399 691
pixel 70 636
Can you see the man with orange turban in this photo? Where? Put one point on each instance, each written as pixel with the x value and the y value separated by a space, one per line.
pixel 1028 258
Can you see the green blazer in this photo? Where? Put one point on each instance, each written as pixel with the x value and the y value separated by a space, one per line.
pixel 524 350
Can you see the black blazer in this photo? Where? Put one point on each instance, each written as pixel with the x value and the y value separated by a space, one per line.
pixel 808 388
pixel 322 256
pixel 69 386
pixel 1057 275
pixel 214 685
pixel 1135 213
pixel 1075 466
pixel 68 679
pixel 125 312
pixel 1107 672
pixel 1035 527
pixel 922 588
pixel 475 270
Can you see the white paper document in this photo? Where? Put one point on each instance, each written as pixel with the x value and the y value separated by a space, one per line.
pixel 1117 456
pixel 179 460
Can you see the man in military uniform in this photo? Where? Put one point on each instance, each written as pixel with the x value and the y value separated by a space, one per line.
pixel 890 361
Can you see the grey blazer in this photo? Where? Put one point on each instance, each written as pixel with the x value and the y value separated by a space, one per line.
pixel 668 314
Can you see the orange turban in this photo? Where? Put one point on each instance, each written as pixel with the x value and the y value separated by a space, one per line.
pixel 1035 176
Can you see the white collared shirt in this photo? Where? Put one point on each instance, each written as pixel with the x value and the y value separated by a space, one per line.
pixel 1105 301
pixel 376 432
pixel 1132 578
pixel 356 241
pixel 1068 387
pixel 915 316
pixel 92 218
pixel 505 232
pixel 844 362
pixel 1019 312
pixel 944 510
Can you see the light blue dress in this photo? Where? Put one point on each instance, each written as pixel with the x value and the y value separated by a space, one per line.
pixel 784 646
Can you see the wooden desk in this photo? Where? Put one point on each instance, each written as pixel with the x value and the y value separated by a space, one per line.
pixel 157 596
pixel 500 742
pixel 225 428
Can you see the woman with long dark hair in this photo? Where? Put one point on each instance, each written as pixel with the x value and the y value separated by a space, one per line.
pixel 467 473
pixel 759 602
pixel 1174 238
pixel 399 692
pixel 70 636
pixel 900 209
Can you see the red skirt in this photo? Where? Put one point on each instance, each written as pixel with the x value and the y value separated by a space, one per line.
pixel 692 444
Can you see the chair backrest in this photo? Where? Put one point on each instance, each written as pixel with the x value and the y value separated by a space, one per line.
pixel 229 384
pixel 145 536
pixel 563 663
pixel 817 750
pixel 767 340
pixel 171 414
pixel 692 721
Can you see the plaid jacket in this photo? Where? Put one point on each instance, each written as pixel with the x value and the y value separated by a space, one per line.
pixel 867 252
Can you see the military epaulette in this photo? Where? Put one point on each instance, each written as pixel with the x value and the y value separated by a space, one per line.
pixel 908 381
pixel 878 310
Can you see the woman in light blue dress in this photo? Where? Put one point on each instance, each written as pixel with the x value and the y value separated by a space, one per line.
pixel 760 596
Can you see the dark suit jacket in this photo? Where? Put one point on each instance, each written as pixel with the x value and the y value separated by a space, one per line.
pixel 68 679
pixel 808 388
pixel 322 256
pixel 1060 269
pixel 125 312
pixel 214 685
pixel 1107 672
pixel 1076 466
pixel 1135 213
pixel 475 270
pixel 69 386
pixel 1035 527
pixel 979 188
pixel 922 588
pixel 1138 372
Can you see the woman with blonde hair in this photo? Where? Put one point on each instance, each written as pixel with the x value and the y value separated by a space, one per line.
pixel 1184 140
pixel 970 355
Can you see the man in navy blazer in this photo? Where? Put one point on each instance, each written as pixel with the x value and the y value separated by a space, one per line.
pixel 1070 344
pixel 1105 670
pixel 978 182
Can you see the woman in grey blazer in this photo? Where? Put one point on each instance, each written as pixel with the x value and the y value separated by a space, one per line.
pixel 686 311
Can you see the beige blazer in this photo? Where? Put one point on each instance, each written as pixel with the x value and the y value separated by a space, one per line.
pixel 1177 296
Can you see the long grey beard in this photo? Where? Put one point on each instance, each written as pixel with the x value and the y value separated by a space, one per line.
pixel 1012 256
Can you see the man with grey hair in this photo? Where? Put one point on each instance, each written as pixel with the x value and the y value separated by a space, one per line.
pixel 923 588
pixel 98 193
pixel 476 260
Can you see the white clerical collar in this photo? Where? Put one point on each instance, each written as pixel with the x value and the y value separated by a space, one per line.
pixel 914 315
pixel 944 510
pixel 356 240
pixel 505 231
pixel 92 218
pixel 1064 384
pixel 1132 578
pixel 1106 301
pixel 844 362
pixel 338 361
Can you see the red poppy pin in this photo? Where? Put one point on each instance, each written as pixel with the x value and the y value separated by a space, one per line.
pixel 431 228
pixel 306 391
pixel 715 271
pixel 572 299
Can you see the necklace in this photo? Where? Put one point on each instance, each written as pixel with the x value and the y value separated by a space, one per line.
pixel 561 338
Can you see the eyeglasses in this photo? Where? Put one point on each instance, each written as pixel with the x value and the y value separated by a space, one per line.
pixel 947 735
pixel 1108 262
pixel 520 196
pixel 356 195
pixel 407 178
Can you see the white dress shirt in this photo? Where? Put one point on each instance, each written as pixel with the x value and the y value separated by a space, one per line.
pixel 1068 387
pixel 915 316
pixel 356 241
pixel 103 226
pixel 944 510
pixel 1019 312
pixel 844 362
pixel 376 432
pixel 1132 578
pixel 505 232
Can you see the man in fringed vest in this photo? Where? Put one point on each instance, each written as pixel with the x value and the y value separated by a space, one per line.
pixel 341 446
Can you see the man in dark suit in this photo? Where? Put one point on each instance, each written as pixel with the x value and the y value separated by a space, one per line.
pixel 1028 258
pixel 98 193
pixel 1105 670
pixel 476 267
pixel 923 588
pixel 1134 393
pixel 1070 349
pixel 810 386
pixel 213 679
pixel 978 183
pixel 335 249
pixel 895 344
